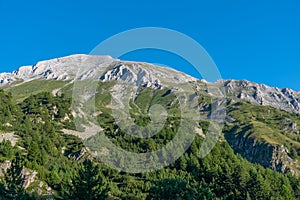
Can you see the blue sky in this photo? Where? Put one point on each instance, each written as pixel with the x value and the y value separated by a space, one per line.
pixel 254 40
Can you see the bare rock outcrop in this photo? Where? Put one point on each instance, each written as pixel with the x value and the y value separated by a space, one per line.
pixel 273 156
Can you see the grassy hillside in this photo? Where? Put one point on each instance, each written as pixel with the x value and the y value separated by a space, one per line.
pixel 274 128
pixel 22 90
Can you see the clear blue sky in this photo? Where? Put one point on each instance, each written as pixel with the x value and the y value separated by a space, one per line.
pixel 254 40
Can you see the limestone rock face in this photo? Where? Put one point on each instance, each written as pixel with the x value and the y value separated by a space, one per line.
pixel 7 78
pixel 81 67
pixel 284 99
pixel 273 156
pixel 29 176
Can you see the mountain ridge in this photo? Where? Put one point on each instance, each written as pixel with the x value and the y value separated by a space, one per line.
pixel 66 69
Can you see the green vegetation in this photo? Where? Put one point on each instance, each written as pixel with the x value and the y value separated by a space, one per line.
pixel 266 124
pixel 89 184
pixel 24 90
pixel 13 182
pixel 38 120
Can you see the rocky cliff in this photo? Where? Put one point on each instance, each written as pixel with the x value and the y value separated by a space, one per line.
pixel 257 150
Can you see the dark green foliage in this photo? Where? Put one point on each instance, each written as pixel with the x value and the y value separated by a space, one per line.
pixel 139 109
pixel 7 152
pixel 170 189
pixel 9 111
pixel 38 126
pixel 39 120
pixel 89 184
pixel 177 189
pixel 13 181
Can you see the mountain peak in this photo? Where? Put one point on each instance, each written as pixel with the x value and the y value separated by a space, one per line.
pixel 64 68
pixel 106 68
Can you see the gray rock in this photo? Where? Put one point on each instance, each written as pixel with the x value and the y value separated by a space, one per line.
pixel 284 99
pixel 271 156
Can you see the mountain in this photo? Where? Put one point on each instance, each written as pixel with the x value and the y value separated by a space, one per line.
pixel 66 69
pixel 257 155
pixel 284 99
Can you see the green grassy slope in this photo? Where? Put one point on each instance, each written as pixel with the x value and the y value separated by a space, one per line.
pixel 22 90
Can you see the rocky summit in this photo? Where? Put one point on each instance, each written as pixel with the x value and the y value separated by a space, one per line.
pixel 285 99
pixel 82 66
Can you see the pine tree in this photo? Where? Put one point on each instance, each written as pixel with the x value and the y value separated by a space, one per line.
pixel 90 183
pixel 13 181
pixel 172 189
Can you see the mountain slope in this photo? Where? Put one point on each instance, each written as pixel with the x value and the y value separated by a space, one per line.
pixel 262 123
pixel 57 159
